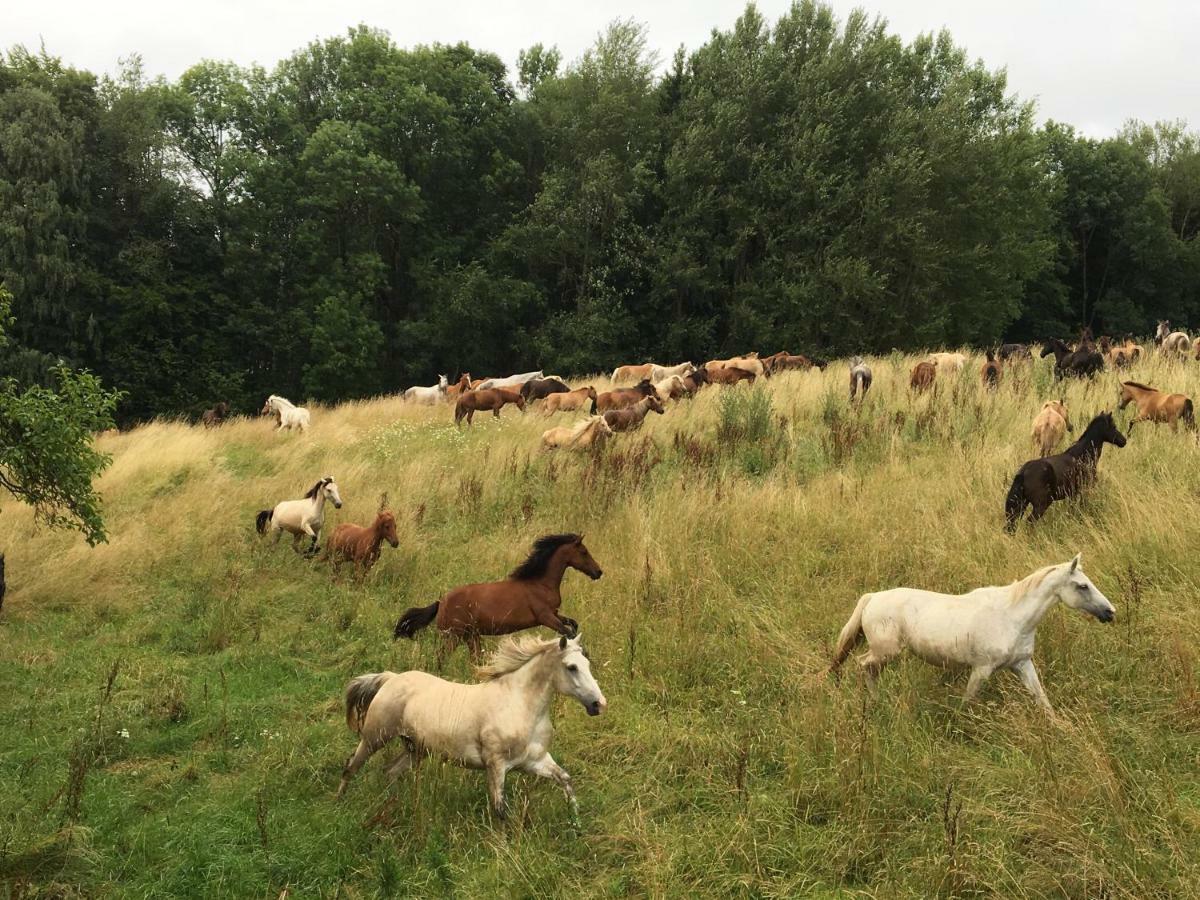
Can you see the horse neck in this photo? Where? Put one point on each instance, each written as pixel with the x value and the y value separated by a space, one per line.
pixel 318 503
pixel 556 568
pixel 1088 446
pixel 535 681
pixel 1032 608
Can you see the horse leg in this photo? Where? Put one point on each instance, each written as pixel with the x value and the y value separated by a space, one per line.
pixel 552 620
pixel 1029 677
pixel 872 664
pixel 496 770
pixel 409 758
pixel 496 412
pixel 979 675
pixel 546 767
pixel 355 762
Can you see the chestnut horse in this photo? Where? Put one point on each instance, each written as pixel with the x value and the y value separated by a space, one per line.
pixel 623 397
pixel 694 381
pixel 530 596
pixel 358 545
pixel 212 418
pixel 990 373
pixel 460 387
pixel 730 376
pixel 632 373
pixel 923 376
pixel 631 417
pixel 570 401
pixel 1156 406
pixel 494 399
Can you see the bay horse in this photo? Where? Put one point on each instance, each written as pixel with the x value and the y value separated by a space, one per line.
pixel 990 373
pixel 286 413
pixel 632 373
pixel 1156 406
pixel 1083 362
pixel 591 432
pixel 540 388
pixel 500 724
pixel 494 399
pixel 923 376
pixel 631 417
pixel 987 629
pixel 623 397
pixel 300 517
pixel 860 379
pixel 570 401
pixel 1042 481
pixel 360 546
pixel 694 381
pixel 730 375
pixel 213 418
pixel 1049 426
pixel 529 597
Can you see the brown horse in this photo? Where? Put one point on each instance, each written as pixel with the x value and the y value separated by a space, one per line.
pixel 923 376
pixel 358 545
pixel 570 401
pixel 530 596
pixel 693 381
pixel 623 397
pixel 461 387
pixel 631 417
pixel 212 418
pixel 769 362
pixel 787 362
pixel 540 388
pixel 494 399
pixel 990 373
pixel 1156 406
pixel 730 376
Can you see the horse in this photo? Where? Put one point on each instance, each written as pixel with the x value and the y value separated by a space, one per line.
pixel 948 363
pixel 500 724
pixel 459 387
pixel 787 362
pixel 769 362
pixel 510 382
pixel 1082 362
pixel 592 432
pixel 300 517
pixel 623 397
pixel 991 371
pixel 359 545
pixel 923 376
pixel 860 379
pixel 730 375
pixel 1171 341
pixel 669 388
pixel 1049 426
pixel 1156 406
pixel 987 629
pixel 570 401
pixel 494 399
pixel 1042 481
pixel 661 373
pixel 694 381
pixel 286 413
pixel 632 373
pixel 529 597
pixel 540 388
pixel 749 363
pixel 631 417
pixel 428 395
pixel 213 418
pixel 1015 351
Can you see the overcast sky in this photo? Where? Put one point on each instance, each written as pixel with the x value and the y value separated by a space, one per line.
pixel 1093 63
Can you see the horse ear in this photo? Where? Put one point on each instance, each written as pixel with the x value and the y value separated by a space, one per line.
pixel 1075 563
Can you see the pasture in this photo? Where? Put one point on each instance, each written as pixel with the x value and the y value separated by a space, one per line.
pixel 173 720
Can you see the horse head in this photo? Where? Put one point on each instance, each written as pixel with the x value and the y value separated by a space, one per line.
pixel 385 527
pixel 644 387
pixel 1076 590
pixel 573 676
pixel 1164 328
pixel 330 490
pixel 578 556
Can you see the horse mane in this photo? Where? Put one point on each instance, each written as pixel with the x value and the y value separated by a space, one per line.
pixel 1139 385
pixel 512 654
pixel 1030 583
pixel 316 488
pixel 539 557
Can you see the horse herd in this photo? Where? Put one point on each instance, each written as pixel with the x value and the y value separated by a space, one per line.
pixel 503 723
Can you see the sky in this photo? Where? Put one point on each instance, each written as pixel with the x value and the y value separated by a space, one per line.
pixel 1092 63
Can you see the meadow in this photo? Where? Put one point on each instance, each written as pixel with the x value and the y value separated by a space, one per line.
pixel 172 719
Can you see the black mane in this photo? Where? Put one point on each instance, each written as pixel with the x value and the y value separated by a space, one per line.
pixel 1094 434
pixel 539 557
pixel 315 489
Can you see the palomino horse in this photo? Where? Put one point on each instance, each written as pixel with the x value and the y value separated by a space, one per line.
pixel 1084 361
pixel 860 379
pixel 631 417
pixel 570 401
pixel 428 395
pixel 990 372
pixel 212 418
pixel 358 545
pixel 592 432
pixel 623 397
pixel 923 376
pixel 301 517
pixel 1049 426
pixel 502 723
pixel 751 364
pixel 948 363
pixel 541 388
pixel 1042 481
pixel 530 596
pixel 670 388
pixel 512 381
pixel 987 629
pixel 1156 406
pixel 632 373
pixel 286 413
pixel 661 373
pixel 494 399
pixel 1171 341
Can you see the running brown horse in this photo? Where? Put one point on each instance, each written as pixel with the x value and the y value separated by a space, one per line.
pixel 494 399
pixel 1042 481
pixel 623 397
pixel 693 381
pixel 358 545
pixel 631 417
pixel 529 597
pixel 1154 405
pixel 212 418
pixel 730 376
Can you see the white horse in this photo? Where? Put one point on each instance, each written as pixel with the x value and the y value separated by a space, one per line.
pixel 662 373
pixel 593 431
pixel 500 724
pixel 988 629
pixel 510 381
pixel 286 413
pixel 429 395
pixel 1171 341
pixel 301 517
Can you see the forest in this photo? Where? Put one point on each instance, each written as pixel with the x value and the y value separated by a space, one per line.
pixel 364 216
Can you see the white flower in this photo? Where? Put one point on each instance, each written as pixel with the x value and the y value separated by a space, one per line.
pixel 123 733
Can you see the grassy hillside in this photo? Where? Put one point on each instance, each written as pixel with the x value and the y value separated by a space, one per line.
pixel 172 717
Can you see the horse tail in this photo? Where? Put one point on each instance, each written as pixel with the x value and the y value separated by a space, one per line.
pixel 1014 503
pixel 851 632
pixel 414 620
pixel 262 519
pixel 593 399
pixel 1189 415
pixel 359 694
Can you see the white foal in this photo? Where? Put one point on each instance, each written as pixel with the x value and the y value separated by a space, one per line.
pixel 988 629
pixel 287 414
pixel 429 395
pixel 301 517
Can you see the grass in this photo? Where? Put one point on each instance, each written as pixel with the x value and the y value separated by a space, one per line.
pixel 172 721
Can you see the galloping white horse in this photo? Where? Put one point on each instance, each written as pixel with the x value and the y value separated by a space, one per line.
pixel 287 413
pixel 301 517
pixel 662 373
pixel 988 629
pixel 499 725
pixel 429 395
pixel 510 381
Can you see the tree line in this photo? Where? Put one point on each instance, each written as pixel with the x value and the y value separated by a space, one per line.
pixel 363 216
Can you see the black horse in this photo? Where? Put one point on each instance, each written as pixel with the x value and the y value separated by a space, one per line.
pixel 1018 351
pixel 1084 362
pixel 540 388
pixel 1042 481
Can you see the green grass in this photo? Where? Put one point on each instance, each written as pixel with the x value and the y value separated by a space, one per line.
pixel 736 533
